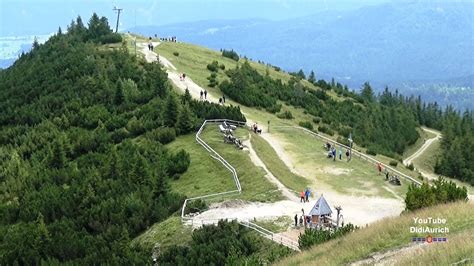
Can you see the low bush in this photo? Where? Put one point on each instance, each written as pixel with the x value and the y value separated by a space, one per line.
pixel 164 135
pixel 175 53
pixel 111 38
pixel 230 54
pixel 393 163
pixel 274 108
pixel 410 167
pixel 178 163
pixel 441 192
pixel 313 236
pixel 285 115
pixel 326 130
pixel 214 66
pixel 316 120
pixel 196 206
pixel 371 151
pixel 306 124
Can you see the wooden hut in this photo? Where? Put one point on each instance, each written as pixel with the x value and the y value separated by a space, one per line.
pixel 321 213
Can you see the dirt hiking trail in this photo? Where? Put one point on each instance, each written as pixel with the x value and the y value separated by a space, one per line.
pixel 356 209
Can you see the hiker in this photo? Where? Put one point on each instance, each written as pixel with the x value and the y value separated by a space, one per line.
pixel 301 220
pixel 223 98
pixel 205 94
pixel 302 195
pixel 200 97
pixel 307 193
pixel 220 100
pixel 347 155
pixel 386 175
pixel 296 220
pixel 379 167
pixel 340 153
pixel 184 76
pixel 328 146
pixel 334 154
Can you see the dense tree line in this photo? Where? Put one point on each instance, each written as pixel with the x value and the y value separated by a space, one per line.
pixel 441 192
pixel 457 127
pixel 384 123
pixel 230 54
pixel 83 168
pixel 381 128
pixel 226 243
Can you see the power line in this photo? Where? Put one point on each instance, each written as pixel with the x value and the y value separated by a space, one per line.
pixel 118 17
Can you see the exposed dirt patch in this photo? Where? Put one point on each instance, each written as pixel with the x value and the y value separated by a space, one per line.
pixel 336 171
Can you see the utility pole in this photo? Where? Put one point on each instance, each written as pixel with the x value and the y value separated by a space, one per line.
pixel 118 17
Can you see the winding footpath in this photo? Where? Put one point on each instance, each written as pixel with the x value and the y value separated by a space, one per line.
pixel 241 211
pixel 373 208
pixel 429 175
pixel 421 150
pixel 359 210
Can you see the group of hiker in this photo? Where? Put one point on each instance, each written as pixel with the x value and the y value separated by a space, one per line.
pixel 255 129
pixel 150 45
pixel 222 100
pixel 169 39
pixel 303 220
pixel 182 77
pixel 394 179
pixel 304 195
pixel 203 95
pixel 332 152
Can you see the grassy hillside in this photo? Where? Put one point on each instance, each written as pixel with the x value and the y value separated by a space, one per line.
pixel 276 166
pixel 394 233
pixel 254 184
pixel 205 175
pixel 355 177
pixel 193 60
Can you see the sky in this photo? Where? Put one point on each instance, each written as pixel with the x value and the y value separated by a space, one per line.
pixel 27 17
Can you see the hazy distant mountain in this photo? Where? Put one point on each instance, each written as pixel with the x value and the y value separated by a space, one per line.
pixel 12 47
pixel 388 44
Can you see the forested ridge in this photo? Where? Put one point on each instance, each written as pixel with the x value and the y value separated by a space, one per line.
pixel 384 123
pixel 83 168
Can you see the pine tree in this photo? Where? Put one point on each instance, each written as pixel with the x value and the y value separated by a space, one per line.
pixel 301 74
pixel 161 186
pixel 119 97
pixel 113 169
pixel 58 156
pixel 140 173
pixel 312 77
pixel 35 43
pixel 367 93
pixel 185 122
pixel 171 112
pixel 186 98
pixel 43 236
